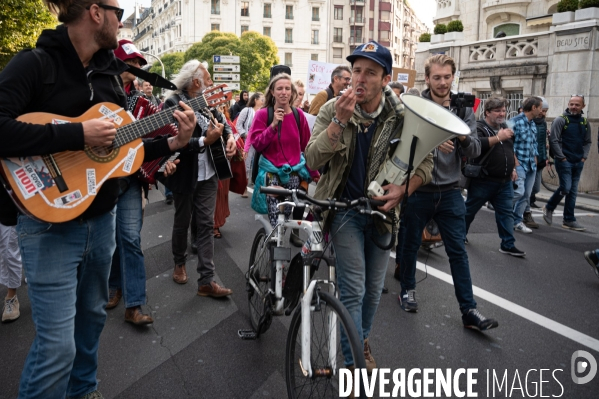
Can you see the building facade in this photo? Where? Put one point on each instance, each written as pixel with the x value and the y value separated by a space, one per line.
pixel 540 54
pixel 303 30
pixel 392 23
pixel 298 27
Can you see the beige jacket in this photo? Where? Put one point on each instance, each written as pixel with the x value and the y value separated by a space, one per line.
pixel 319 151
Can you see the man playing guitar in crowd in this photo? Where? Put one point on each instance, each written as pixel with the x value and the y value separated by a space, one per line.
pixel 67 264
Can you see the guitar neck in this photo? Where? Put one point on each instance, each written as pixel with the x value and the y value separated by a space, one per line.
pixel 150 123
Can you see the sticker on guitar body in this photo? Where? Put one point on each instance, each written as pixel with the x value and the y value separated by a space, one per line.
pixel 104 110
pixel 91 181
pixel 128 164
pixel 66 199
pixel 30 174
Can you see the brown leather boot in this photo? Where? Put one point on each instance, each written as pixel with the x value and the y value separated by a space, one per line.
pixel 370 363
pixel 214 290
pixel 114 298
pixel 529 221
pixel 179 274
pixel 135 316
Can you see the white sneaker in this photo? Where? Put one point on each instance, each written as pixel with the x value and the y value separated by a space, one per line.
pixel 11 309
pixel 521 227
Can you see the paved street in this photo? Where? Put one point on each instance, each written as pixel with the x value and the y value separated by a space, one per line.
pixel 546 305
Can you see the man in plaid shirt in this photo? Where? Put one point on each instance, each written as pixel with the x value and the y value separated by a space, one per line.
pixel 525 154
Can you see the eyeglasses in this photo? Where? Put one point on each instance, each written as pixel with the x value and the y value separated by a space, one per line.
pixel 119 11
pixel 577 95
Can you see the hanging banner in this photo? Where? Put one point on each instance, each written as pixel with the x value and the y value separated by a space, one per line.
pixel 319 76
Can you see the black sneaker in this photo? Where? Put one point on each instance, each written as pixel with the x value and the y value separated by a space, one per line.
pixel 534 205
pixel 512 251
pixel 407 301
pixel 466 241
pixel 169 199
pixel 476 321
pixel 591 257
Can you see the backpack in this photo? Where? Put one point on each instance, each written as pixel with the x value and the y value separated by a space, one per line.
pixel 584 123
pixel 330 93
pixel 271 114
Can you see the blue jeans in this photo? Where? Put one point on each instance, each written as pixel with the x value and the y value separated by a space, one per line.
pixel 128 271
pixel 535 187
pixel 569 176
pixel 501 196
pixel 67 268
pixel 361 268
pixel 521 200
pixel 448 210
pixel 167 191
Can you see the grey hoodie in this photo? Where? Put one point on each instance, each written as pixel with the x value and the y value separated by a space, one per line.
pixel 448 167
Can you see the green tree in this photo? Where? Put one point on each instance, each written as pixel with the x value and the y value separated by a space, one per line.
pixel 257 53
pixel 21 22
pixel 172 64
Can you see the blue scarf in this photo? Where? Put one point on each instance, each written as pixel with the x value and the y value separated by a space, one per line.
pixel 265 166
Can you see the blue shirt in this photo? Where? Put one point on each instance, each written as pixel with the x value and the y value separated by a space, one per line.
pixel 525 141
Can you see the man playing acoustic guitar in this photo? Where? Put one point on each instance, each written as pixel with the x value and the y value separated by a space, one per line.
pixel 67 264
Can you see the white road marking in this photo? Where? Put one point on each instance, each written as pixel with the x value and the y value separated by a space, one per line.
pixel 518 310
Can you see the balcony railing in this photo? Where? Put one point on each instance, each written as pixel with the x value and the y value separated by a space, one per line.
pixel 359 2
pixel 267 15
pixel 356 40
pixel 315 18
pixel 356 20
pixel 337 39
pixel 288 15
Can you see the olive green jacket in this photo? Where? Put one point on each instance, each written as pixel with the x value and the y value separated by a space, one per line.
pixel 319 151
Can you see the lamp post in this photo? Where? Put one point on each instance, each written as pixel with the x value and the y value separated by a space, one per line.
pixel 161 64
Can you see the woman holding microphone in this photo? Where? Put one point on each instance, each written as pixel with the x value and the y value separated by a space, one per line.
pixel 281 144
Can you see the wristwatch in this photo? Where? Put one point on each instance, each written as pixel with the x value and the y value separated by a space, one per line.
pixel 338 122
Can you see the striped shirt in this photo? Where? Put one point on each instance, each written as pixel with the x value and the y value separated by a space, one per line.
pixel 525 141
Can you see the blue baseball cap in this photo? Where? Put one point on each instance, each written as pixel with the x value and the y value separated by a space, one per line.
pixel 375 52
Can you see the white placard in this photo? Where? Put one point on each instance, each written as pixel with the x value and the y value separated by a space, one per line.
pixel 319 76
pixel 233 85
pixel 225 68
pixel 225 77
pixel 229 59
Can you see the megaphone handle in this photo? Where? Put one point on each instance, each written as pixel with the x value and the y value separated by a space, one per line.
pixel 404 203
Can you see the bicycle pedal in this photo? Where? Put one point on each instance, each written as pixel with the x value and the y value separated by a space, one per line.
pixel 247 334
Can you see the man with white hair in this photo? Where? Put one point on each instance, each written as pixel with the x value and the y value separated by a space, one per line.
pixel 195 184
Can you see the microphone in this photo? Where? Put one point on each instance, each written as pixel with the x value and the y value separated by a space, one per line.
pixel 280 123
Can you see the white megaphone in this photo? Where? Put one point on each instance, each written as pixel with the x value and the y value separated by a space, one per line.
pixel 426 126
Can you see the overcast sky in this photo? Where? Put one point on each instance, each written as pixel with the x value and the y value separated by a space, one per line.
pixel 425 9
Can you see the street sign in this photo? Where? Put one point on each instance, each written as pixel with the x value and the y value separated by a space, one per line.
pixel 234 85
pixel 230 59
pixel 225 68
pixel 226 77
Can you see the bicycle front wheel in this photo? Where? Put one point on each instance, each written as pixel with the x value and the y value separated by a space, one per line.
pixel 261 273
pixel 325 380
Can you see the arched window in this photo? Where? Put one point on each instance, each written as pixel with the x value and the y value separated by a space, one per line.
pixel 509 29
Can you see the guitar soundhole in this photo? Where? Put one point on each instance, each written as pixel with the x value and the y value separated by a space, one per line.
pixel 102 154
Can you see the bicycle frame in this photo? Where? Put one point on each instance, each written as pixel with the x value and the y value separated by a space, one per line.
pixel 308 285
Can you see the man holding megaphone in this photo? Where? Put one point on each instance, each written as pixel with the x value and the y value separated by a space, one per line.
pixel 442 201
pixel 354 134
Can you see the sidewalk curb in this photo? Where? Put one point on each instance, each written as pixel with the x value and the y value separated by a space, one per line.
pixel 585 207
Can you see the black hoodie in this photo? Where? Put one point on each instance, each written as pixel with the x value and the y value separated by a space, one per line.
pixel 238 106
pixel 76 89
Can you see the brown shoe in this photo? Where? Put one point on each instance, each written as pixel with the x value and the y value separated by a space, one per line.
pixel 370 363
pixel 529 221
pixel 114 298
pixel 397 273
pixel 135 316
pixel 214 290
pixel 179 274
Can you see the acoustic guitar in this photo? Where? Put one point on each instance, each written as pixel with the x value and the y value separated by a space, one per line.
pixel 59 187
pixel 218 151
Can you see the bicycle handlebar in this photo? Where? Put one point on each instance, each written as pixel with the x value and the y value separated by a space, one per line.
pixel 328 204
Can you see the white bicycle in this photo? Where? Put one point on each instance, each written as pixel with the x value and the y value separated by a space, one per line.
pixel 276 282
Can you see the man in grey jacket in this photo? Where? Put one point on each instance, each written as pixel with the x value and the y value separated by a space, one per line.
pixel 570 143
pixel 441 200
